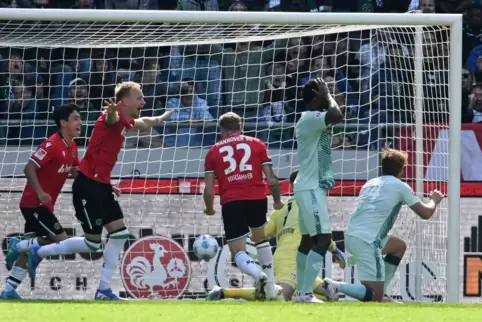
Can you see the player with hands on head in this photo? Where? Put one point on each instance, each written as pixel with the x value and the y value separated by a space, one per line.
pixel 239 162
pixel 46 172
pixel 93 194
pixel 375 253
pixel 283 224
pixel 314 179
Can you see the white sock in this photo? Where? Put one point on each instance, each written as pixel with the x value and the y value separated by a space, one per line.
pixel 26 244
pixel 69 246
pixel 17 275
pixel 265 259
pixel 247 265
pixel 112 252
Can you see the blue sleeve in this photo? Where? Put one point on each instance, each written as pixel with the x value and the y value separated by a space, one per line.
pixel 472 59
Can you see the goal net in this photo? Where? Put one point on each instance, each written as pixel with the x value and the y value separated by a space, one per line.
pixel 392 79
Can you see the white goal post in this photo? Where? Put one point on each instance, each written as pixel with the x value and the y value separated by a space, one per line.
pixel 181 209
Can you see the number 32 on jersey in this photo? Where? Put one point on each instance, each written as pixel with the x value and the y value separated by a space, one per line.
pixel 228 156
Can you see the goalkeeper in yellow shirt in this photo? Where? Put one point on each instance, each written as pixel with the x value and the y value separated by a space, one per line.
pixel 283 224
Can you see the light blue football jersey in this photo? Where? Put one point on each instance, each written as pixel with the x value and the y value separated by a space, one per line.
pixel 378 206
pixel 314 152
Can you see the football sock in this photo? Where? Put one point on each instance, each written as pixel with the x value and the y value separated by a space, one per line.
pixel 265 259
pixel 314 262
pixel 247 265
pixel 17 275
pixel 112 251
pixel 391 265
pixel 26 244
pixel 332 248
pixel 357 291
pixel 69 246
pixel 247 294
pixel 300 269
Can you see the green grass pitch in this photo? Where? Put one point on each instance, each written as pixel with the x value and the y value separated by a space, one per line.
pixel 187 311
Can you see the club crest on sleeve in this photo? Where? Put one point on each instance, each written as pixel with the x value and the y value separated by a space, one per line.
pixel 40 154
pixel 155 267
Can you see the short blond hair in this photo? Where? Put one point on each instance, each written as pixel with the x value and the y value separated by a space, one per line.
pixel 393 161
pixel 230 122
pixel 124 89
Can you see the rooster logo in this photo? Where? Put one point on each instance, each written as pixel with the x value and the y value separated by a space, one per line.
pixel 155 267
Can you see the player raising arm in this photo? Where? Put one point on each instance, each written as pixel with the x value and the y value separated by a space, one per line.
pixel 284 225
pixel 315 178
pixel 367 238
pixel 94 202
pixel 46 172
pixel 238 162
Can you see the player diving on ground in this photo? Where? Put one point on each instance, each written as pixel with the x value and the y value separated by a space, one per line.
pixel 283 224
pixel 375 253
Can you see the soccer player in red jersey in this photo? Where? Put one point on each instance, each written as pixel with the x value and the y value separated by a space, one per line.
pixel 93 195
pixel 46 172
pixel 239 162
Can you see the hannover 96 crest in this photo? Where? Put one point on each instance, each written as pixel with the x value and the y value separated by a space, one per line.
pixel 155 267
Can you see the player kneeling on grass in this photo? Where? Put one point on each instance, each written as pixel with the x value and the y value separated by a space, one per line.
pixel 46 172
pixel 367 237
pixel 284 225
pixel 92 192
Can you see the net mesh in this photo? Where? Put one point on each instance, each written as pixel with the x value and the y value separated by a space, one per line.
pixel 201 71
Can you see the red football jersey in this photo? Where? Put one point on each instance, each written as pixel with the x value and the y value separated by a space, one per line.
pixel 104 147
pixel 55 160
pixel 237 163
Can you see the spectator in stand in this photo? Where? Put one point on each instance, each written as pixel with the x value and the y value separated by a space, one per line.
pixel 199 62
pixel 475 108
pixel 79 95
pixel 102 79
pixel 472 36
pixel 320 67
pixel 192 109
pixel 129 4
pixel 474 62
pixel 23 106
pixel 427 6
pixel 372 55
pixel 275 107
pixel 198 5
pixel 306 5
pixel 468 83
pixel 154 93
pixel 436 67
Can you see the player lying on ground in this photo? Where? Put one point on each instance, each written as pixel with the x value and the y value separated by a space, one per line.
pixel 239 162
pixel 284 225
pixel 366 237
pixel 46 172
pixel 314 179
pixel 95 204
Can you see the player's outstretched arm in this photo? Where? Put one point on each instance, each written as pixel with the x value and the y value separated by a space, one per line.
pixel 209 193
pixel 425 210
pixel 110 108
pixel 274 186
pixel 145 123
pixel 30 171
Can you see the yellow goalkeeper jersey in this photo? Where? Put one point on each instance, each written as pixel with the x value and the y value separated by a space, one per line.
pixel 283 224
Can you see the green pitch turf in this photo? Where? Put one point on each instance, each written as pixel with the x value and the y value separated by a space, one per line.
pixel 200 311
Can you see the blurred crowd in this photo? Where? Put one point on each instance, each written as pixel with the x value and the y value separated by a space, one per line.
pixel 369 72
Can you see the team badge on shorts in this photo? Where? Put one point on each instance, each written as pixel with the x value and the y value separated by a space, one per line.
pixel 155 267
